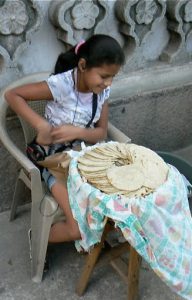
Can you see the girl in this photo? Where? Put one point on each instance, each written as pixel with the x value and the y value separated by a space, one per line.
pixel 84 70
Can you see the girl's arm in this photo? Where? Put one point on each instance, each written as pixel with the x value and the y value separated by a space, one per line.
pixel 17 99
pixel 68 133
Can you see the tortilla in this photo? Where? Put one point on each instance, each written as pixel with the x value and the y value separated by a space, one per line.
pixel 90 162
pixel 154 174
pixel 128 177
pixel 91 169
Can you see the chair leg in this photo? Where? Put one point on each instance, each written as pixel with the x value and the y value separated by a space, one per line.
pixel 40 225
pixel 91 261
pixel 133 274
pixel 19 191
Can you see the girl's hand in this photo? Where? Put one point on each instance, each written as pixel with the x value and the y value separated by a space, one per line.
pixel 65 133
pixel 44 134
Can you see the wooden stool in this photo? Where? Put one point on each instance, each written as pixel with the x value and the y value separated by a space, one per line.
pixel 130 275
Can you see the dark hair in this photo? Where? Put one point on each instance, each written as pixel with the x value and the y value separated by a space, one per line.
pixel 99 49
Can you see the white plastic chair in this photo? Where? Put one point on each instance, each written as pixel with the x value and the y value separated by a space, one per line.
pixel 44 209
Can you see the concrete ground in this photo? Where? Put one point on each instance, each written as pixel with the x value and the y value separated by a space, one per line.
pixel 66 265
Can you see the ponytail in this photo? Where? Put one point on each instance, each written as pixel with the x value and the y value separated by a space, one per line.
pixel 66 61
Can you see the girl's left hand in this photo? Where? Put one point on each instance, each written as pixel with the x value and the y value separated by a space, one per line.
pixel 64 133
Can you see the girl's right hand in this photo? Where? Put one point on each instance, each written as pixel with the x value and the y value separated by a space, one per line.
pixel 44 134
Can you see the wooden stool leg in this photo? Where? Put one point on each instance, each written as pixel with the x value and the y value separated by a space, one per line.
pixel 133 274
pixel 88 268
pixel 90 264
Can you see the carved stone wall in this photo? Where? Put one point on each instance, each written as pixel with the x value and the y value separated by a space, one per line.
pixel 152 32
pixel 150 99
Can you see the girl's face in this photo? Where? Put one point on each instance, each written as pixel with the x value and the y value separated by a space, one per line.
pixel 96 79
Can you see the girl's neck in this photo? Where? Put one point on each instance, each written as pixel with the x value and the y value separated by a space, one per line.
pixel 79 83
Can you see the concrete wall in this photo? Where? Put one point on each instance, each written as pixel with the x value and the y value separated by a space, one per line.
pixel 150 99
pixel 154 107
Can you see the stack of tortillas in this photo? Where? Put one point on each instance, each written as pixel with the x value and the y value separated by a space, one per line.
pixel 126 169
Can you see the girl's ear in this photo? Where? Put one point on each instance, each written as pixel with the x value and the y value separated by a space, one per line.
pixel 82 64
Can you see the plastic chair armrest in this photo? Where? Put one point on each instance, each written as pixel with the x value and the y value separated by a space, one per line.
pixel 117 135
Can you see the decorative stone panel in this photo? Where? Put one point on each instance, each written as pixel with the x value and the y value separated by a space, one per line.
pixel 75 20
pixel 176 16
pixel 14 18
pixel 84 15
pixel 187 26
pixel 124 10
pixel 18 20
pixel 145 11
pixel 137 20
pixel 148 13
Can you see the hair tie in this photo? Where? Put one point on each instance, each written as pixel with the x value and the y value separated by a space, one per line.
pixel 78 46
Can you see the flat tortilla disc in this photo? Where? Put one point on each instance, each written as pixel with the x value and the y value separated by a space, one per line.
pixel 155 175
pixel 128 177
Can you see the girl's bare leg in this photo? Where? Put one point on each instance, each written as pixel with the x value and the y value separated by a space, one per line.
pixel 68 230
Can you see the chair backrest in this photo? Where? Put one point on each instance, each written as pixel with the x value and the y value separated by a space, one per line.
pixel 39 106
pixel 28 132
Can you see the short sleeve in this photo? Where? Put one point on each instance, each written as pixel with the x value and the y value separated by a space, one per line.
pixel 59 86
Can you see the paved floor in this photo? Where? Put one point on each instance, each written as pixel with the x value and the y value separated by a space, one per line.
pixel 66 264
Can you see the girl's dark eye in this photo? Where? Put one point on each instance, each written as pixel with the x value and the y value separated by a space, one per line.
pixel 105 76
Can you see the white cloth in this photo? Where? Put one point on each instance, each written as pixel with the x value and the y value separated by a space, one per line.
pixel 70 106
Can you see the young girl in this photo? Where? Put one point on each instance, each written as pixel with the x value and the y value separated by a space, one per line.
pixel 84 70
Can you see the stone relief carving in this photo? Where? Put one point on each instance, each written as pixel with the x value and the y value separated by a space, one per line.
pixel 133 23
pixel 153 33
pixel 145 11
pixel 109 23
pixel 58 12
pixel 75 20
pixel 175 27
pixel 187 26
pixel 18 20
pixel 147 14
pixel 137 19
pixel 188 12
pixel 123 10
pixel 14 18
pixel 84 15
